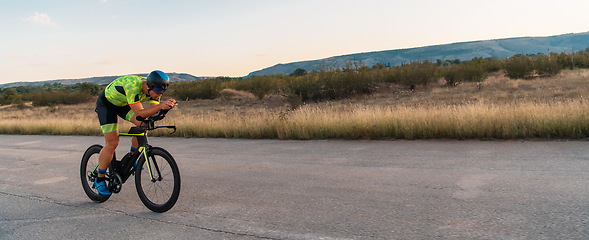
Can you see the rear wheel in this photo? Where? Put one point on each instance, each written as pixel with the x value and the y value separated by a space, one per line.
pixel 89 173
pixel 159 190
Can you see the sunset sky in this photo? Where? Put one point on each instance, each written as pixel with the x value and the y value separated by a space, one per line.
pixel 64 39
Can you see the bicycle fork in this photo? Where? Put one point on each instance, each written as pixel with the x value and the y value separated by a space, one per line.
pixel 149 166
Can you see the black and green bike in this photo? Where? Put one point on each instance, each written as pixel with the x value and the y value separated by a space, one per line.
pixel 157 177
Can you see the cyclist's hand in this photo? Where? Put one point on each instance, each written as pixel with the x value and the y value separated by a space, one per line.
pixel 174 103
pixel 169 104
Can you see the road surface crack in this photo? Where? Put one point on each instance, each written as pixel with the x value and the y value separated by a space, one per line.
pixel 53 201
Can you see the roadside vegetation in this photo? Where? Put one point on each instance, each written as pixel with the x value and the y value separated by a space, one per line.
pixel 521 97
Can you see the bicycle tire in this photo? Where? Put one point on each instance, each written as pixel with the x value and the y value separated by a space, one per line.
pixel 159 195
pixel 87 166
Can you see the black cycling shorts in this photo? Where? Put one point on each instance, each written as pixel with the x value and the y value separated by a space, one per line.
pixel 108 112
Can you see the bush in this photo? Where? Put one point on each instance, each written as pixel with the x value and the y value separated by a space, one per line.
pixel 90 88
pixel 546 65
pixel 299 72
pixel 330 85
pixel 205 89
pixel 261 85
pixel 51 98
pixel 304 88
pixel 456 74
pixel 452 74
pixel 519 66
pixel 10 96
pixel 415 73
pixel 581 59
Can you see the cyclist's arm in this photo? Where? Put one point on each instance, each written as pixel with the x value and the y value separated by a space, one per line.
pixel 154 107
pixel 154 102
pixel 168 104
pixel 138 109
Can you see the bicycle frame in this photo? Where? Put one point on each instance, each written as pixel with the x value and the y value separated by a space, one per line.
pixel 144 148
pixel 125 169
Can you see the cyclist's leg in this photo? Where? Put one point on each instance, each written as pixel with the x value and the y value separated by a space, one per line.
pixel 107 116
pixel 106 154
pixel 108 123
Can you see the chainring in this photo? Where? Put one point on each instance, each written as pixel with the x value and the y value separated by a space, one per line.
pixel 116 183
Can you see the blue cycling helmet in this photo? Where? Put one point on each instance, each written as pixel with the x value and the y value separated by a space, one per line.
pixel 158 81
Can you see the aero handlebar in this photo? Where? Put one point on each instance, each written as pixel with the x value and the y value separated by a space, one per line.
pixel 150 121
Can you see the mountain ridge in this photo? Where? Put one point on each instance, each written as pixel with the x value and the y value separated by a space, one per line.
pixel 174 77
pixel 499 48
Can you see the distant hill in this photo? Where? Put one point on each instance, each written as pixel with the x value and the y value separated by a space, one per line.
pixel 499 48
pixel 174 77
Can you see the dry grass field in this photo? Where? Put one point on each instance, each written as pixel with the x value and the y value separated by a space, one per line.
pixel 497 108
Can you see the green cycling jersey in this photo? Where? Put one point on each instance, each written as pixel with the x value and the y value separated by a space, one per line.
pixel 126 90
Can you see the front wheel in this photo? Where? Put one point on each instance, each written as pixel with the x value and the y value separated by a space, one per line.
pixel 89 173
pixel 158 180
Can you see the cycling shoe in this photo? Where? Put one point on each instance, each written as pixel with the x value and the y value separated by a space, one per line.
pixel 102 188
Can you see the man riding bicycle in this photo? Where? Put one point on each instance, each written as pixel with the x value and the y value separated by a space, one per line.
pixel 123 98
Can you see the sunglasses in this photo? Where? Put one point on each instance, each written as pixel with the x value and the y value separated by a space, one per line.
pixel 158 90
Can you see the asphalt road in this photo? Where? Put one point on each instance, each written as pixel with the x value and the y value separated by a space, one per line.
pixel 272 189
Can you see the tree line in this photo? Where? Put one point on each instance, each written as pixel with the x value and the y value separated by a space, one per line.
pixel 50 94
pixel 328 84
pixel 356 78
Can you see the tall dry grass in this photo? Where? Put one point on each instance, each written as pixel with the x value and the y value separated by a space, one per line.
pixel 469 121
pixel 498 108
pixel 66 120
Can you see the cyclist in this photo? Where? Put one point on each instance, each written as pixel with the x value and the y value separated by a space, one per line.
pixel 123 98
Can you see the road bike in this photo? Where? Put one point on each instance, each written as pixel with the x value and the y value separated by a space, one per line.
pixel 157 177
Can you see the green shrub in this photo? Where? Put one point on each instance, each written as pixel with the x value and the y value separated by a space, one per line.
pixel 304 88
pixel 414 73
pixel 581 59
pixel 519 66
pixel 205 89
pixel 456 74
pixel 10 96
pixel 52 98
pixel 261 86
pixel 90 88
pixel 546 65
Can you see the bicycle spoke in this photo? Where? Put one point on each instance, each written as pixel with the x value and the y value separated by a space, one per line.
pixel 88 173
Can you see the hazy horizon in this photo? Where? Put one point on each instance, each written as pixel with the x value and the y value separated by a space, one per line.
pixel 67 39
